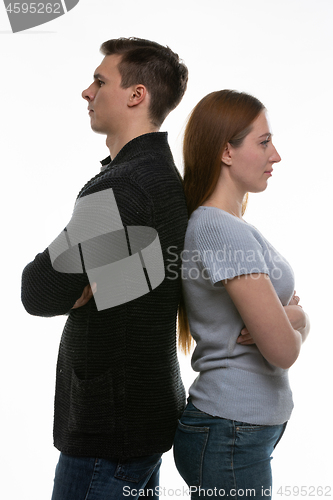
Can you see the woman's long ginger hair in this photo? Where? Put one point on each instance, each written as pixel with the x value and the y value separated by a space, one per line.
pixel 221 118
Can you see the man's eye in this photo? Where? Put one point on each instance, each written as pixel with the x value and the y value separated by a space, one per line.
pixel 100 83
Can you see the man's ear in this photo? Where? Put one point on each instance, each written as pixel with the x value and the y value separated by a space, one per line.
pixel 226 155
pixel 137 95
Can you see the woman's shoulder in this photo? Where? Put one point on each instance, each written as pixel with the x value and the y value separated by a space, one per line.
pixel 213 218
pixel 211 223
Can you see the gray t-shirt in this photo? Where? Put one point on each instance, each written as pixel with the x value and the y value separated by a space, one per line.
pixel 235 381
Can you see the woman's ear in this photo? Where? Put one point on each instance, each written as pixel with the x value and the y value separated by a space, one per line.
pixel 138 94
pixel 226 155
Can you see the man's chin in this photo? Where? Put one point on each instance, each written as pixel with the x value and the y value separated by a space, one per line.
pixel 97 129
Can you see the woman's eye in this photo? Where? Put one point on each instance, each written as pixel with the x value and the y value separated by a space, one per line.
pixel 265 143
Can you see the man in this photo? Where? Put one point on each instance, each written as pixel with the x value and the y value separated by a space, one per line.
pixel 118 387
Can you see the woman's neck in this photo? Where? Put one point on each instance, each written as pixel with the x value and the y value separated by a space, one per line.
pixel 227 196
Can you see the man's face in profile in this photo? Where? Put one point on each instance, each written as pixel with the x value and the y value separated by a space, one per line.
pixel 107 99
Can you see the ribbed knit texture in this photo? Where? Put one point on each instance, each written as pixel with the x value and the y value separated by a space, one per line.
pixel 235 382
pixel 118 389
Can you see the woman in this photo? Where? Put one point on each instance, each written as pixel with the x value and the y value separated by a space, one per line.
pixel 238 304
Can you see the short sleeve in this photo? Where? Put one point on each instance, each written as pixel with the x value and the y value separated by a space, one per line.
pixel 228 247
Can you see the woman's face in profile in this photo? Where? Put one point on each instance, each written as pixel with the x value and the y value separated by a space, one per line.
pixel 252 163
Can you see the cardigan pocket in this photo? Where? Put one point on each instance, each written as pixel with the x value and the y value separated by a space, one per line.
pixel 91 405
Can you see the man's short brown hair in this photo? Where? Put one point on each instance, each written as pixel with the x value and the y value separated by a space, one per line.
pixel 154 66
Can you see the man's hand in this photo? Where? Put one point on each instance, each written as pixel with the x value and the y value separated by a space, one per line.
pixel 87 293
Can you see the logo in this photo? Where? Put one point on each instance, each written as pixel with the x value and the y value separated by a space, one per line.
pixel 124 262
pixel 25 15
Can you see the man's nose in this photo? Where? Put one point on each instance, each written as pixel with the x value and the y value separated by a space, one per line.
pixel 88 94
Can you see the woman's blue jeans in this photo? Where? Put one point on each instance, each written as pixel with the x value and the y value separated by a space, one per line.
pixel 222 458
pixel 79 478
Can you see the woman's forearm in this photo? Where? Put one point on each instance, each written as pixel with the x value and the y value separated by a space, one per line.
pixel 306 329
pixel 299 320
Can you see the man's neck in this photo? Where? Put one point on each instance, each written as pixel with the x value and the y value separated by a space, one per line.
pixel 116 142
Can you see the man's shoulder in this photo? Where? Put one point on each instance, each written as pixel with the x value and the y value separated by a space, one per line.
pixel 144 165
pixel 143 152
pixel 149 170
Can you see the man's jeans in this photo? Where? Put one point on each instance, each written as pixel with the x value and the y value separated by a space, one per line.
pixel 220 458
pixel 79 478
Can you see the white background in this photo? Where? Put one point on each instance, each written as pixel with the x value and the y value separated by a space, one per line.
pixel 279 50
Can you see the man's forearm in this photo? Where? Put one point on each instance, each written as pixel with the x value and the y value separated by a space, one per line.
pixel 46 292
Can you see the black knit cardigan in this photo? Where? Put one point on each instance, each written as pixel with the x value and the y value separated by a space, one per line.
pixel 118 387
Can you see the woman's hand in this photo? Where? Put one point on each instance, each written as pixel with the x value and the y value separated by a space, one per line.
pixel 245 337
pixel 294 301
pixel 298 318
